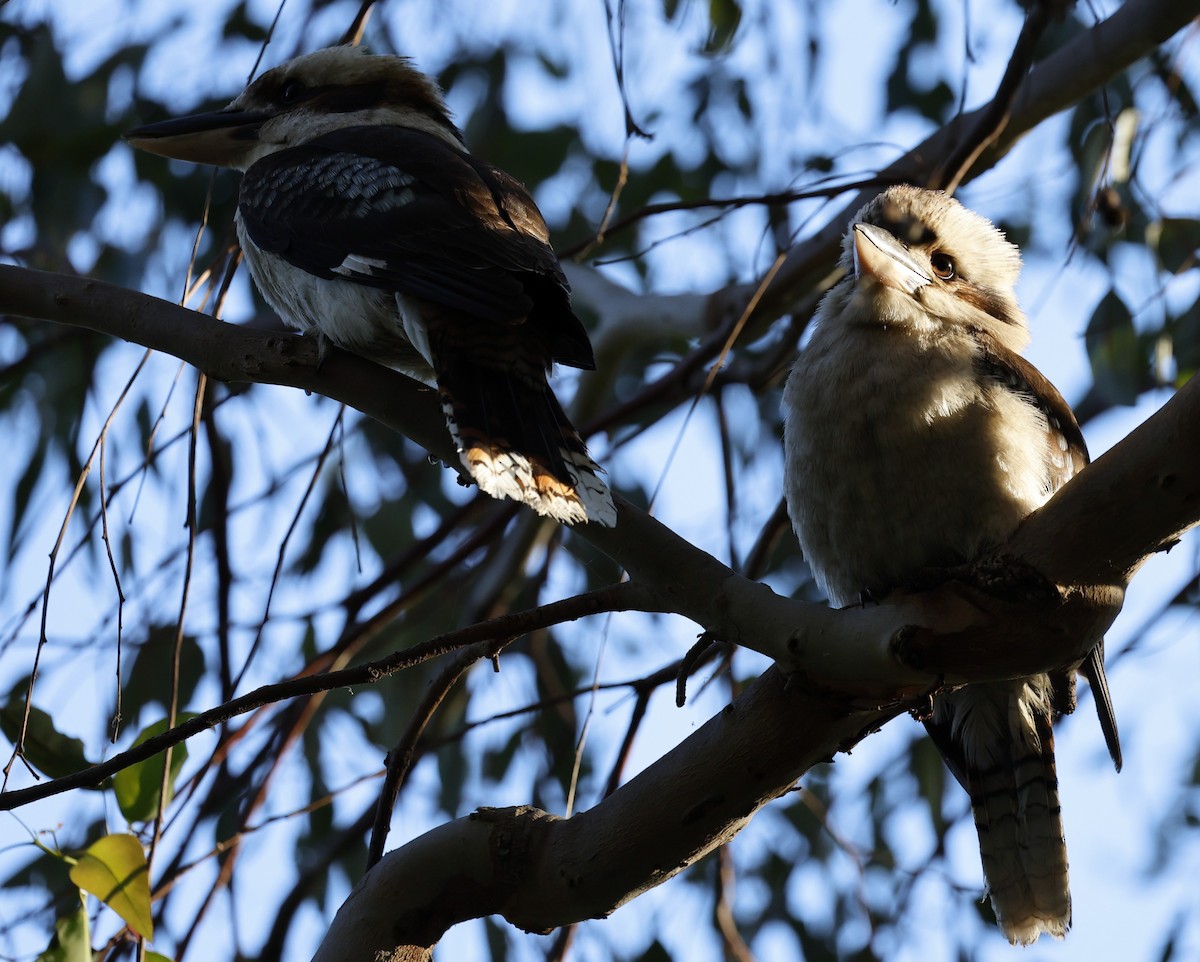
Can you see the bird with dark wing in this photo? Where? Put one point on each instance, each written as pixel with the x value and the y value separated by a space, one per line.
pixel 365 221
pixel 917 437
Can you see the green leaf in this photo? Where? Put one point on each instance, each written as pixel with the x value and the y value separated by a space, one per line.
pixel 114 870
pixel 71 941
pixel 1113 349
pixel 1177 240
pixel 151 663
pixel 725 16
pixel 1185 342
pixel 46 748
pixel 137 787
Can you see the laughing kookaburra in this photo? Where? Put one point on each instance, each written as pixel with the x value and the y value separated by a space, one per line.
pixel 366 222
pixel 917 437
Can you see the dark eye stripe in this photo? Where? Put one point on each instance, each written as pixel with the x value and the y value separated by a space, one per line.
pixel 988 301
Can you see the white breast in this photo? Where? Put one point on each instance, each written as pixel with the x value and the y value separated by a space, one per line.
pixel 900 457
pixel 356 317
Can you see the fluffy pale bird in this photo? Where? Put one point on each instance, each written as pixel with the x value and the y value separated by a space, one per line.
pixel 365 221
pixel 917 437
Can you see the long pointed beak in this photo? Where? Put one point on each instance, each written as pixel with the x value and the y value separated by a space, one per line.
pixel 879 255
pixel 223 137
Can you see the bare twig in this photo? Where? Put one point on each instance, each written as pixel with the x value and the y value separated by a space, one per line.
pixel 281 554
pixel 736 949
pixel 19 745
pixel 112 565
pixel 772 199
pixel 989 123
pixel 400 759
pixel 623 597
pixel 354 33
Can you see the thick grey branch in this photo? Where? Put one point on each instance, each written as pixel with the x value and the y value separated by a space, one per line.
pixel 540 872
pixel 853 650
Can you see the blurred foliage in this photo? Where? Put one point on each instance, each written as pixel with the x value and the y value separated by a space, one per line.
pixel 378 550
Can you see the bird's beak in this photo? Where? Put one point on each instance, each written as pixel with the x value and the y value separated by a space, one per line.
pixel 223 137
pixel 879 255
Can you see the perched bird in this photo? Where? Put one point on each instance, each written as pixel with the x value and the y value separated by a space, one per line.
pixel 365 221
pixel 917 437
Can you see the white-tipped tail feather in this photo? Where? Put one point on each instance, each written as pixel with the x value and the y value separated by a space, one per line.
pixel 517 444
pixel 1001 742
pixel 508 474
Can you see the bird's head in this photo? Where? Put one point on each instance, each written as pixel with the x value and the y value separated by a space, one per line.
pixel 918 257
pixel 301 99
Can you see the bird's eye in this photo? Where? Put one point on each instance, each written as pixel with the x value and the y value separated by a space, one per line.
pixel 943 265
pixel 292 91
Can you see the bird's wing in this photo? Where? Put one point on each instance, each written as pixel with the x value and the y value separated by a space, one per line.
pixel 1066 449
pixel 402 210
pixel 1067 453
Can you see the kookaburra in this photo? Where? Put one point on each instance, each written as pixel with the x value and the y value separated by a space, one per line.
pixel 917 437
pixel 366 222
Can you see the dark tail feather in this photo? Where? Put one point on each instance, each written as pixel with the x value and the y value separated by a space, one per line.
pixel 514 438
pixel 1093 670
pixel 997 740
pixel 1019 822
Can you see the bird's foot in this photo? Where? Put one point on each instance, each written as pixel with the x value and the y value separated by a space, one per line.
pixel 922 708
pixel 324 346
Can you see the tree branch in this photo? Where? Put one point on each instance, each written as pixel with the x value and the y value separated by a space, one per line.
pixel 854 668
pixel 541 872
pixel 1062 79
pixel 990 121
pixel 853 650
pixel 624 596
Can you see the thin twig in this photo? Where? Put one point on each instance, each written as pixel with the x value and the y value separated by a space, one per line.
pixel 112 564
pixel 759 556
pixel 354 33
pixel 400 759
pixel 177 646
pixel 736 949
pixel 772 199
pixel 991 122
pixel 19 745
pixel 627 596
pixel 282 552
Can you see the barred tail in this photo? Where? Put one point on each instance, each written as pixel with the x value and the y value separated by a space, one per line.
pixel 514 438
pixel 1007 765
